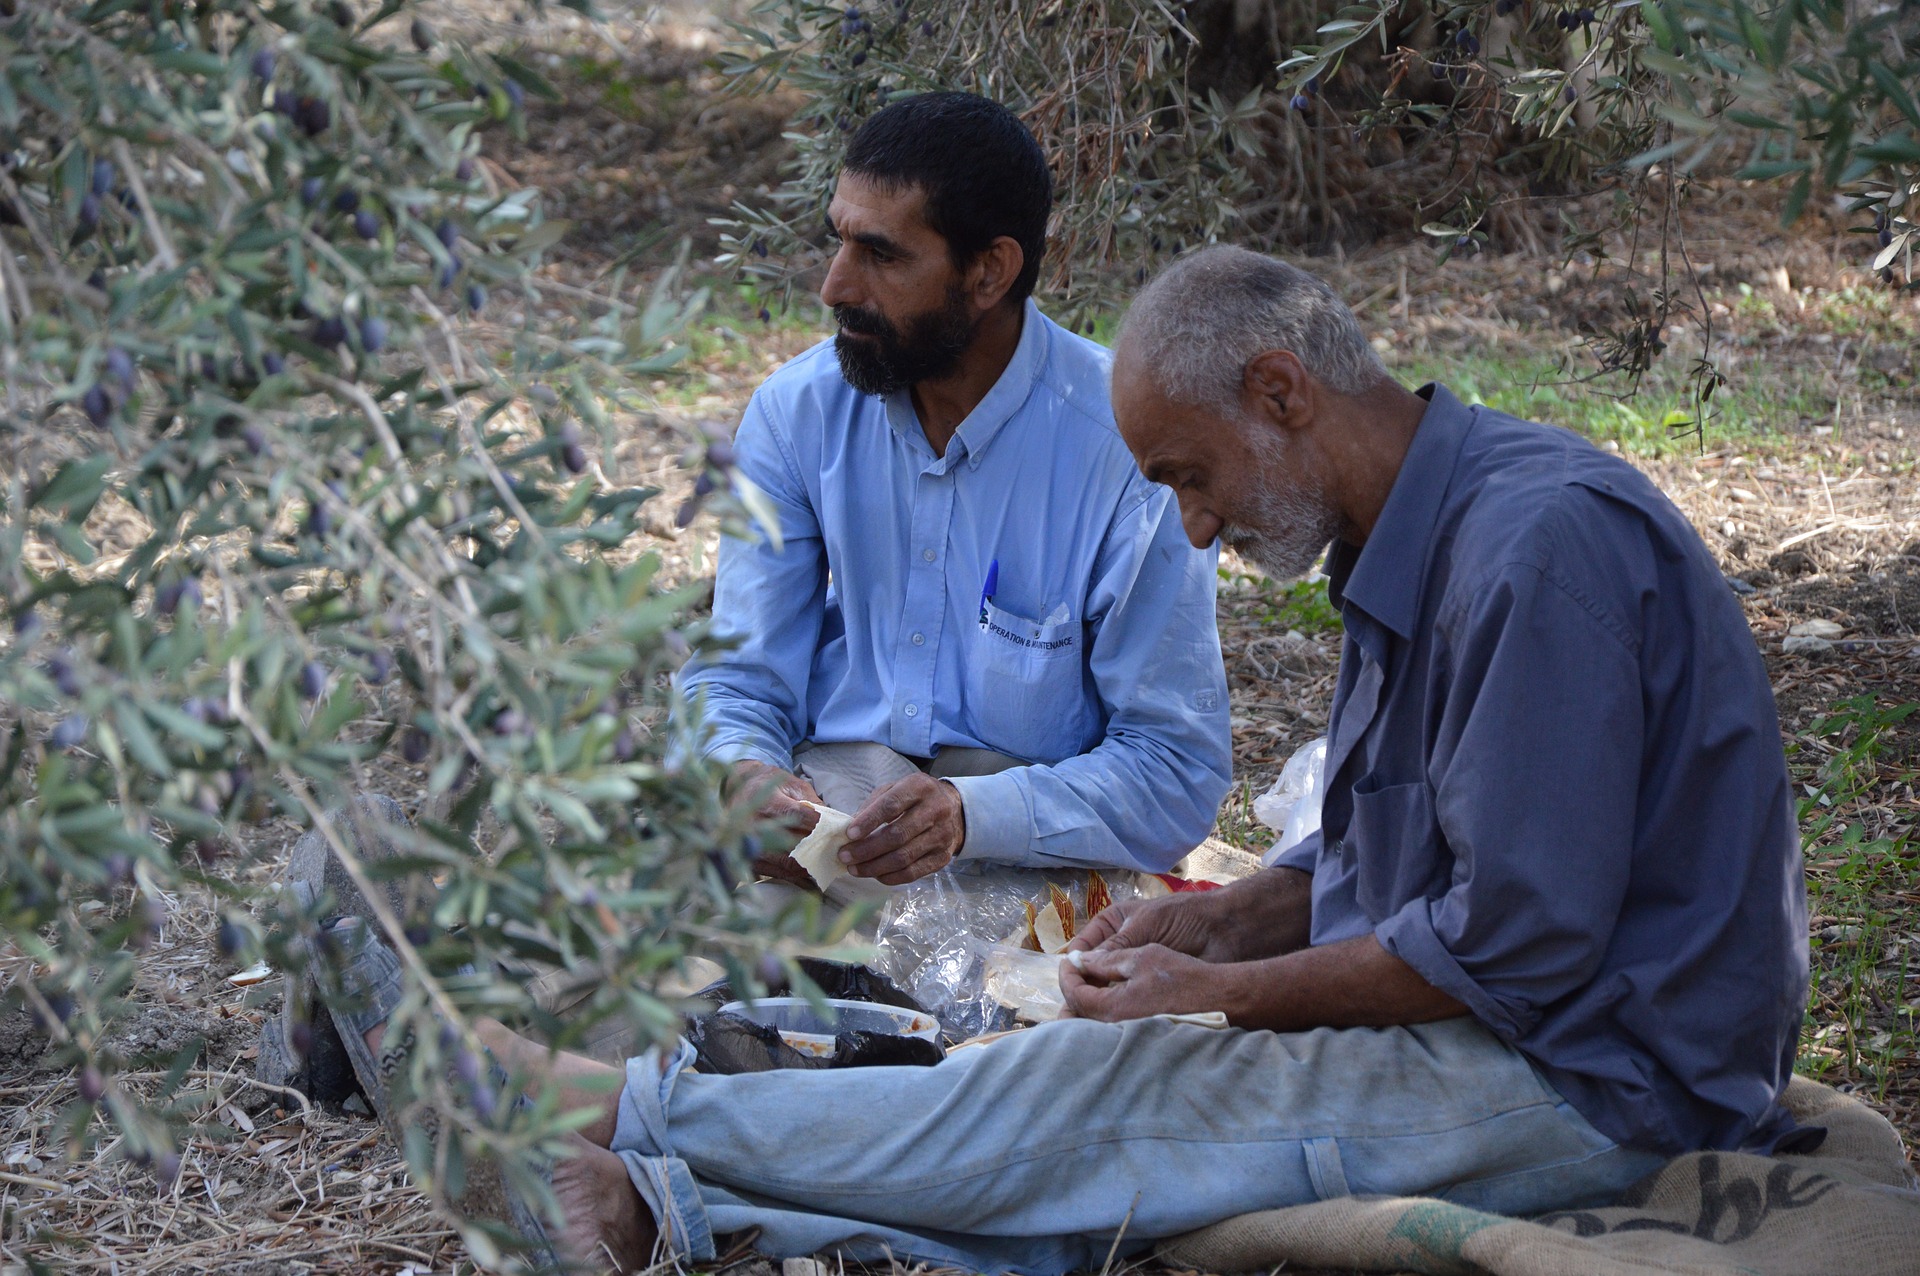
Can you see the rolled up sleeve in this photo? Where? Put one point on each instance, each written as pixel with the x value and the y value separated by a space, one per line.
pixel 750 696
pixel 1149 791
pixel 1534 783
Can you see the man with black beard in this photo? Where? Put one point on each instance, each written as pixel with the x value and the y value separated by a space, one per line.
pixel 979 629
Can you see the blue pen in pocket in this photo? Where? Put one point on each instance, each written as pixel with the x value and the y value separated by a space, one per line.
pixel 987 589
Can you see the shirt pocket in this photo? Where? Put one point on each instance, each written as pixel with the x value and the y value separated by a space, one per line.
pixel 1394 846
pixel 1025 683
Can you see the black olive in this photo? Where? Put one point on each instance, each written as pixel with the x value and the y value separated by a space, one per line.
pixel 313 116
pixel 313 679
pixel 64 677
pixel 96 404
pixel 71 731
pixel 263 64
pixel 366 225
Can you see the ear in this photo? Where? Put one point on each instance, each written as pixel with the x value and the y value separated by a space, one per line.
pixel 1279 389
pixel 992 273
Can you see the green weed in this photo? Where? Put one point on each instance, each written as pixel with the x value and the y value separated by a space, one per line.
pixel 1863 1015
pixel 1655 421
pixel 1282 605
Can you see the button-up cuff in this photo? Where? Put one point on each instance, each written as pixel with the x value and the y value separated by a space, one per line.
pixel 998 826
pixel 728 752
pixel 1409 935
pixel 1303 856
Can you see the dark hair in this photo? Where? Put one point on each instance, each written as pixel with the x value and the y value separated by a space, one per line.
pixel 983 173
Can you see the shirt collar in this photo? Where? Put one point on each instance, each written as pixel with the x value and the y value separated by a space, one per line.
pixel 1384 577
pixel 994 410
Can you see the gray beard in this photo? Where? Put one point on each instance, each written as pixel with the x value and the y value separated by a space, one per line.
pixel 1288 528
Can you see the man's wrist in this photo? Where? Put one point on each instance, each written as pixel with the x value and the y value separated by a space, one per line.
pixel 995 814
pixel 1225 987
pixel 959 818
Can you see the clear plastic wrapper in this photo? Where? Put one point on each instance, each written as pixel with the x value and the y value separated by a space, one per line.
pixel 1027 983
pixel 1292 806
pixel 933 938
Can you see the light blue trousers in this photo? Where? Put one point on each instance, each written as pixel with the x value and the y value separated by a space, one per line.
pixel 1032 1153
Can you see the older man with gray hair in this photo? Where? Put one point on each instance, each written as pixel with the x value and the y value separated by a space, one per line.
pixel 1552 933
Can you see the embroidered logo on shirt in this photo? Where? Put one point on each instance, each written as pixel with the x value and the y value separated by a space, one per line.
pixel 1034 643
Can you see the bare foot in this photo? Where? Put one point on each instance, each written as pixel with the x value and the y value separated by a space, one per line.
pixel 608 1226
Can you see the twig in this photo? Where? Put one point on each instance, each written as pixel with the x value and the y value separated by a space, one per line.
pixel 201 1074
pixel 162 245
pixel 1115 1247
pixel 27 1180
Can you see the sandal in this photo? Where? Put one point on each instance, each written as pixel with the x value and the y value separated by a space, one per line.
pixel 300 1049
pixel 359 982
pixel 371 978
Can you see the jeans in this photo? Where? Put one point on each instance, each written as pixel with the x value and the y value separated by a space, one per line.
pixel 1033 1153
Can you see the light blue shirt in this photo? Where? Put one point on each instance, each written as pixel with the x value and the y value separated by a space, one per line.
pixel 1096 660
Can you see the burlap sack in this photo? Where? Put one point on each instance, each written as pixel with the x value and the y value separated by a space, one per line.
pixel 1847 1209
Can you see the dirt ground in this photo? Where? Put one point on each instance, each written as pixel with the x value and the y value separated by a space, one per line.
pixel 1818 520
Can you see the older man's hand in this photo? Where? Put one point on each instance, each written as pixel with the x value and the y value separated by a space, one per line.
pixel 1260 916
pixel 906 830
pixel 1112 984
pixel 1186 923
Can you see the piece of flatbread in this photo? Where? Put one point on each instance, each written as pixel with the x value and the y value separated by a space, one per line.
pixel 1026 982
pixel 819 851
pixel 1050 931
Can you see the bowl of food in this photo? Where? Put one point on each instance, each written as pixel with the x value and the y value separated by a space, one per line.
pixel 802 1026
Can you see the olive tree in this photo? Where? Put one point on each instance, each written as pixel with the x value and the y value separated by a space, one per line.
pixel 1440 114
pixel 277 526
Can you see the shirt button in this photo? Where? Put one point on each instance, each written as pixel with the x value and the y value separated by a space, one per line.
pixel 919 640
pixel 912 710
pixel 927 554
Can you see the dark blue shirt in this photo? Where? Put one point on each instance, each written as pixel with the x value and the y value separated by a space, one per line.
pixel 1556 786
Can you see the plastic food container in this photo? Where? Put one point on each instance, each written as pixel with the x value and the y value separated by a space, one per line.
pixel 806 1030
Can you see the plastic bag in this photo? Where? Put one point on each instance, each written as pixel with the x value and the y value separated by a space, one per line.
pixel 729 1043
pixel 1292 806
pixel 933 937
